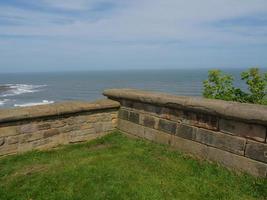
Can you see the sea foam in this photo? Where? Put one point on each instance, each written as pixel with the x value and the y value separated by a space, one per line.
pixel 44 102
pixel 17 89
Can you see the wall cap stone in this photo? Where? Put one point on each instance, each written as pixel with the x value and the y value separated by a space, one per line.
pixel 57 109
pixel 243 111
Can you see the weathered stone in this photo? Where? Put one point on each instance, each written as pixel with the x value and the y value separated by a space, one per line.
pixel 28 128
pixel 58 124
pixel 104 117
pixel 91 119
pixel 175 115
pixel 70 121
pixel 8 149
pixel 200 120
pixel 103 126
pixel 165 113
pixel 41 142
pixel 81 132
pixel 123 114
pixel 152 108
pixel 84 136
pixel 114 122
pixel 44 126
pixel 127 103
pixel 256 151
pixel 2 141
pixel 150 134
pixel 163 138
pixel 134 117
pixel 222 141
pixel 12 140
pixel 86 126
pixel 185 131
pixel 233 161
pixel 8 131
pixel 130 127
pixel 51 132
pixel 167 126
pixel 66 129
pixel 57 109
pixel 148 121
pixel 233 110
pixel 143 107
pixel 251 131
pixel 137 106
pixel 188 146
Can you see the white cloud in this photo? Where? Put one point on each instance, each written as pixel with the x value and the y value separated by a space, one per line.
pixel 143 19
pixel 140 29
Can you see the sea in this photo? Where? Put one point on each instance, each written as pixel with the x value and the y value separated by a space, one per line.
pixel 28 89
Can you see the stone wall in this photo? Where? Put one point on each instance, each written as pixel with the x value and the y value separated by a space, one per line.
pixel 46 126
pixel 231 134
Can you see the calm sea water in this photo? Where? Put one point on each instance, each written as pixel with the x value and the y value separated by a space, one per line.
pixel 41 88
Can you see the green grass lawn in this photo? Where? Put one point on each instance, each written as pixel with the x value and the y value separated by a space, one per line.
pixel 116 167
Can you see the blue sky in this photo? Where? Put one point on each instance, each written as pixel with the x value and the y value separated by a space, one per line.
pixel 55 35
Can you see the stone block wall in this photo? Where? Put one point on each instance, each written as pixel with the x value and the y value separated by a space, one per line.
pixel 44 127
pixel 231 134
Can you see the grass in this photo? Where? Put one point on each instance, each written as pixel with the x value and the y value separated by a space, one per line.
pixel 117 167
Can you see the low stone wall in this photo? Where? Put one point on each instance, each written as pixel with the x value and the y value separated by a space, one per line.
pixel 232 134
pixel 46 126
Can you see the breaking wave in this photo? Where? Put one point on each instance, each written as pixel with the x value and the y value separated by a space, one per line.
pixel 17 89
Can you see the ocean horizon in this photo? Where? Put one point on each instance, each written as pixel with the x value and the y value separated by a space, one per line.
pixel 37 88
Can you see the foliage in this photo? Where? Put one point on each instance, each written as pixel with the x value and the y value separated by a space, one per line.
pixel 117 167
pixel 220 86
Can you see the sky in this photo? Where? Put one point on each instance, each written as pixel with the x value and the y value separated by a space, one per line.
pixel 67 35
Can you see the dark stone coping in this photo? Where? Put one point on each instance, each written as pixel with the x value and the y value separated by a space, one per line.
pixel 242 111
pixel 57 109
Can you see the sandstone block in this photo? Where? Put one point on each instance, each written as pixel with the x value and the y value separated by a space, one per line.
pixel 127 103
pixel 66 129
pixel 175 115
pixel 28 128
pixel 165 113
pixel 98 127
pixel 86 126
pixel 200 120
pixel 152 108
pixel 8 131
pixel 2 141
pixel 237 162
pixel 102 127
pixel 8 149
pixel 188 146
pixel 150 134
pixel 222 141
pixel 40 142
pixel 256 151
pixel 114 122
pixel 13 139
pixel 131 128
pixel 58 124
pixel 185 131
pixel 134 117
pixel 51 132
pixel 251 131
pixel 148 121
pixel 44 126
pixel 123 114
pixel 91 118
pixel 167 126
pixel 162 138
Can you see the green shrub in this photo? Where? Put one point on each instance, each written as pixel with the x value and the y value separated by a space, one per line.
pixel 220 86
